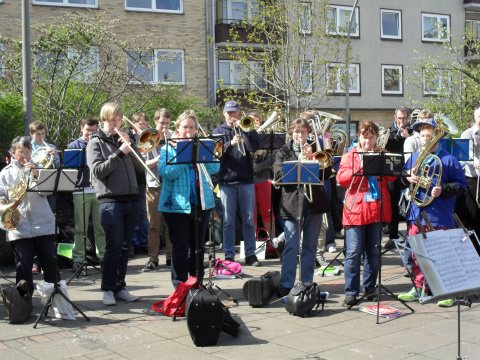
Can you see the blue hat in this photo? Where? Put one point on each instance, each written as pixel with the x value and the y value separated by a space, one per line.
pixel 430 122
pixel 231 106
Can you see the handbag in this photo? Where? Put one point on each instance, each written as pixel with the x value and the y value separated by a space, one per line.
pixel 227 268
pixel 262 235
pixel 18 302
pixel 303 298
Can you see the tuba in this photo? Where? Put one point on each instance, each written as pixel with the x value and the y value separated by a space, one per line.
pixel 426 164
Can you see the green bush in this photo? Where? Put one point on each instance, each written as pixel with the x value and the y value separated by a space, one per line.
pixel 11 121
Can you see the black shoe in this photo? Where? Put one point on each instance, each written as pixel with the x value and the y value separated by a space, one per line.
pixel 389 245
pixel 350 300
pixel 252 260
pixel 339 235
pixel 283 291
pixel 150 265
pixel 76 265
pixel 407 272
pixel 371 295
pixel 229 259
pixel 386 229
pixel 169 262
pixel 280 247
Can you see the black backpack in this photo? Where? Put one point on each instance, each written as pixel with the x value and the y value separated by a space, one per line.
pixel 303 298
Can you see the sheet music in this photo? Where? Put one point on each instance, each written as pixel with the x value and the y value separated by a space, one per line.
pixel 456 265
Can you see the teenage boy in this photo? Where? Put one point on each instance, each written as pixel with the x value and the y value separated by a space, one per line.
pixel 440 210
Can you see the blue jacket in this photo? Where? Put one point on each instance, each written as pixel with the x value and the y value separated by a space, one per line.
pixel 175 194
pixel 236 168
pixel 440 210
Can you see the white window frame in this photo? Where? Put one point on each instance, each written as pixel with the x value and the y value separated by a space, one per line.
pixel 400 80
pixel 66 3
pixel 305 25
pixel 157 62
pixel 232 84
pixel 153 8
pixel 250 7
pixel 439 28
pixel 476 26
pixel 399 25
pixel 444 77
pixel 356 30
pixel 306 76
pixel 339 81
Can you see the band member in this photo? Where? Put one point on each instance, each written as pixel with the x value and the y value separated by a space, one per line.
pixel 361 215
pixel 235 180
pixel 162 119
pixel 300 214
pixel 110 160
pixel 87 196
pixel 35 234
pixel 440 210
pixel 471 213
pixel 413 143
pixel 262 162
pixel 185 186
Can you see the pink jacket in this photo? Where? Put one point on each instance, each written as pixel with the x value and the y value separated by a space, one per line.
pixel 362 212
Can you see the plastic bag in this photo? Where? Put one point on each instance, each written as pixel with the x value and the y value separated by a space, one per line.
pixel 60 307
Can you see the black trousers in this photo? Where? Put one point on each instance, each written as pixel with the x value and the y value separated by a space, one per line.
pixel 395 193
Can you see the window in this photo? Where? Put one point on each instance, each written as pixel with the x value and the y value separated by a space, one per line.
pixel 82 65
pixel 338 17
pixel 435 27
pixel 158 66
pixel 239 76
pixel 391 24
pixel 392 79
pixel 234 11
pixel 306 75
pixel 336 76
pixel 472 29
pixel 77 3
pixel 173 6
pixel 436 82
pixel 305 18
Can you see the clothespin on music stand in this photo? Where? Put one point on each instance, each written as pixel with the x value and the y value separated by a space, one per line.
pixel 460 225
pixel 427 221
pixel 420 227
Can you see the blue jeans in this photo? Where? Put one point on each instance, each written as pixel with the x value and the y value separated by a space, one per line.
pixel 245 194
pixel 118 221
pixel 182 235
pixel 330 237
pixel 25 250
pixel 140 234
pixel 311 225
pixel 362 239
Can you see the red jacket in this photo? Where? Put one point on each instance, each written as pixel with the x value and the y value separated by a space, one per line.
pixel 362 212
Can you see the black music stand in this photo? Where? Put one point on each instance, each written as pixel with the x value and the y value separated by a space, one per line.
pixel 79 161
pixel 380 164
pixel 56 180
pixel 270 141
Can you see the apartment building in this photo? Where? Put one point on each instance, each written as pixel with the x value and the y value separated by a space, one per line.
pixel 176 28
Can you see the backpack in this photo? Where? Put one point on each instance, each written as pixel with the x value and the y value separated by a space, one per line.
pixel 303 298
pixel 227 268
pixel 174 305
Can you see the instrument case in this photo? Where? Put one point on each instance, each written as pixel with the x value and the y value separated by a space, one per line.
pixel 258 290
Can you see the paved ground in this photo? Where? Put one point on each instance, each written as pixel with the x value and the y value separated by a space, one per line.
pixel 134 331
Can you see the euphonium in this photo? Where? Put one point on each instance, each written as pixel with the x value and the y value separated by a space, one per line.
pixel 323 157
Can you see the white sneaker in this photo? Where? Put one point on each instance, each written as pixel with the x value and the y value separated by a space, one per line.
pixel 125 296
pixel 109 298
pixel 332 248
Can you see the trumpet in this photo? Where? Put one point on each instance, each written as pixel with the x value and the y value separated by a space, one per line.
pixel 147 140
pixel 137 156
pixel 247 124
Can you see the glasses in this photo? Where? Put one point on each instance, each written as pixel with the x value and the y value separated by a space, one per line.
pixel 28 152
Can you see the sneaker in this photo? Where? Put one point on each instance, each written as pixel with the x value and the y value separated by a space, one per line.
pixel 371 295
pixel 446 303
pixel 331 248
pixel 320 261
pixel 125 296
pixel 109 298
pixel 150 265
pixel 252 260
pixel 36 269
pixel 350 300
pixel 412 295
pixel 283 291
pixel 76 265
pixel 389 245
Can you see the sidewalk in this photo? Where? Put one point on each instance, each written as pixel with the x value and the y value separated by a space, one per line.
pixel 134 331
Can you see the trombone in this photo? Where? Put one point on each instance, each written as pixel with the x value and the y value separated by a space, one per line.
pixel 138 156
pixel 147 140
pixel 247 124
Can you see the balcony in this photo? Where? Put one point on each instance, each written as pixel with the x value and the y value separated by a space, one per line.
pixel 471 5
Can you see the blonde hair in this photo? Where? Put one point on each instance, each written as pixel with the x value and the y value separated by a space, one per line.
pixel 162 112
pixel 110 110
pixel 424 114
pixel 187 114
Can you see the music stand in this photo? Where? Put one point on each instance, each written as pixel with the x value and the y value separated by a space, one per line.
pixel 76 158
pixel 270 141
pixel 380 164
pixel 55 180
